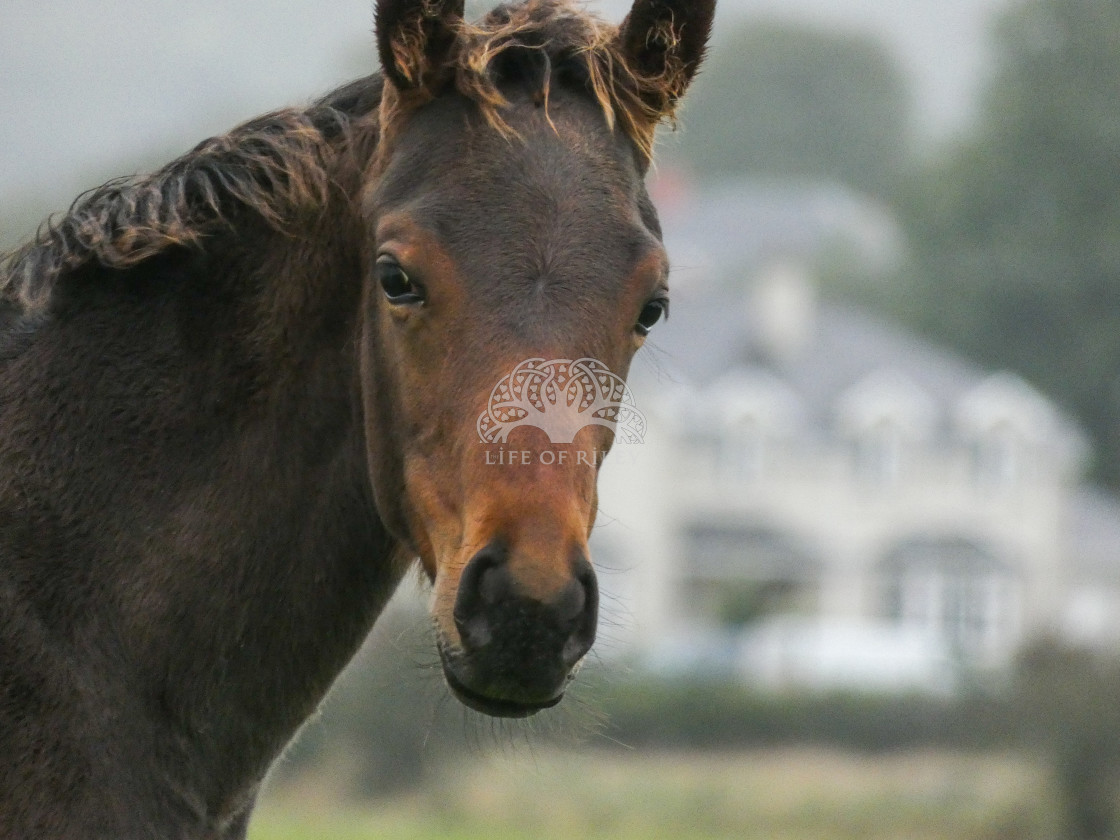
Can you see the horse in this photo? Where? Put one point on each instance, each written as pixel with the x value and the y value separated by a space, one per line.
pixel 239 400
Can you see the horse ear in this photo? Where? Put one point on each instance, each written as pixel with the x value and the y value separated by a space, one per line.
pixel 665 41
pixel 414 38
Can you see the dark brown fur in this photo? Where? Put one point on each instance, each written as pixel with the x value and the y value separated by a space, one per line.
pixel 220 448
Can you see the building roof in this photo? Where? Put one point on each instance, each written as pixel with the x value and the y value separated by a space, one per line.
pixel 1095 533
pixel 739 313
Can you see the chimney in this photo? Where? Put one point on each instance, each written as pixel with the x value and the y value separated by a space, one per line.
pixel 782 311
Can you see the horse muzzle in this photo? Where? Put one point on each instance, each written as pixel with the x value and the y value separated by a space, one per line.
pixel 517 652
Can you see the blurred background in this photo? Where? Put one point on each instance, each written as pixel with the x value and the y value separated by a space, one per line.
pixel 862 577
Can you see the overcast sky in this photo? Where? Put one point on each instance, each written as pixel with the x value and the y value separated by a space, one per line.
pixel 91 90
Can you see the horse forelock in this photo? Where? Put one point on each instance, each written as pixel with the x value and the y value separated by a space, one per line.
pixel 280 166
pixel 571 43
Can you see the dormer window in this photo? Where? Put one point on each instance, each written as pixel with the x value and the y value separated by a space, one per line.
pixel 998 458
pixel 743 450
pixel 879 454
pixel 881 415
pixel 1006 424
pixel 753 410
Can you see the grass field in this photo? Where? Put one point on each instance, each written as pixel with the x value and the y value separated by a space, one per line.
pixel 776 795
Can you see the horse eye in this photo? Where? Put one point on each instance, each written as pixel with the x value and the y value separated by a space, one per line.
pixel 398 288
pixel 651 313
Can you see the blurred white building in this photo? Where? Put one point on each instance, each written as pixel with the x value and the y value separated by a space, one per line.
pixel 825 500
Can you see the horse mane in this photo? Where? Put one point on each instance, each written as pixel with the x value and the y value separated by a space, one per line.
pixel 277 166
pixel 281 166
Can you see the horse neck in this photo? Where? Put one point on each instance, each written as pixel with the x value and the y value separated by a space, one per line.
pixel 286 518
pixel 244 558
pixel 189 548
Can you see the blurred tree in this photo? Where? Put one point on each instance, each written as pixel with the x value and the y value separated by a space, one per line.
pixel 1065 700
pixel 788 101
pixel 1015 235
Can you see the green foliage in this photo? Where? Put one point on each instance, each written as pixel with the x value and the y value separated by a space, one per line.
pixel 794 794
pixel 741 603
pixel 1015 233
pixel 785 101
pixel 1066 703
pixel 657 713
pixel 389 728
pixel 1062 705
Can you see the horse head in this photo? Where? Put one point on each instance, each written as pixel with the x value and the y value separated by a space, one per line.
pixel 510 240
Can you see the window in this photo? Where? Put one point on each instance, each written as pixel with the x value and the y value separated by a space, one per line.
pixel 742 451
pixel 732 575
pixel 879 454
pixel 954 590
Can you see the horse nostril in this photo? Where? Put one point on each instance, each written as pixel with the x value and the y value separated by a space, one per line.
pixel 572 600
pixel 493 584
pixel 579 608
pixel 474 632
pixel 484 583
